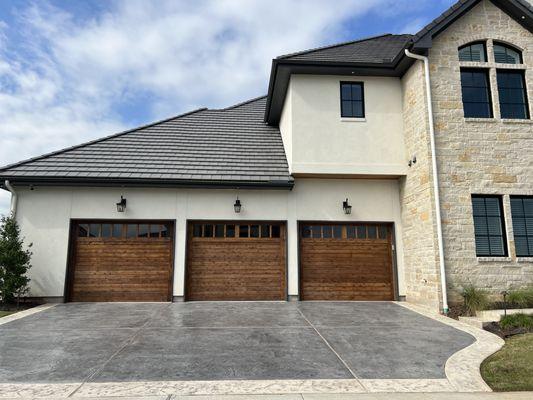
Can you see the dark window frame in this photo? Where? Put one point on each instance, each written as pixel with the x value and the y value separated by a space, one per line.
pixel 507 46
pixel 486 73
pixel 502 225
pixel 235 230
pixel 482 42
pixel 362 101
pixel 529 238
pixel 524 88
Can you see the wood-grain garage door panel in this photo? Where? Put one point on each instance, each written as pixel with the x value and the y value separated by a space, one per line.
pixel 346 268
pixel 236 268
pixel 121 268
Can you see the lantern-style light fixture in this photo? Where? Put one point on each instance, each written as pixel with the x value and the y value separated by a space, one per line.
pixel 121 205
pixel 346 207
pixel 237 206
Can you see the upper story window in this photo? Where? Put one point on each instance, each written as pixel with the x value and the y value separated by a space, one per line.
pixel 506 54
pixel 476 93
pixel 489 226
pixel 522 213
pixel 512 93
pixel 473 52
pixel 352 100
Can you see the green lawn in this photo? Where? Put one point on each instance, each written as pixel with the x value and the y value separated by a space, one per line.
pixel 5 313
pixel 511 368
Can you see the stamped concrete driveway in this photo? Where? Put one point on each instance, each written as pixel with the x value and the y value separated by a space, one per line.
pixel 123 342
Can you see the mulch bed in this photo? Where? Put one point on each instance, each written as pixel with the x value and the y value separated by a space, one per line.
pixel 455 311
pixel 23 305
pixel 494 327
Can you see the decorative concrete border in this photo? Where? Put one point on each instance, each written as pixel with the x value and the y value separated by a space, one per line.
pixel 462 368
pixel 36 390
pixel 25 313
pixel 215 388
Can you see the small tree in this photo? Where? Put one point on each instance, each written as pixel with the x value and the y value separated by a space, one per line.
pixel 14 262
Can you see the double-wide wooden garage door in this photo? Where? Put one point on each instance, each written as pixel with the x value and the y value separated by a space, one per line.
pixel 346 262
pixel 121 261
pixel 236 261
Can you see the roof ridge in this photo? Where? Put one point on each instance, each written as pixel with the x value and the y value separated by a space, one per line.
pixel 56 152
pixel 240 104
pixel 332 46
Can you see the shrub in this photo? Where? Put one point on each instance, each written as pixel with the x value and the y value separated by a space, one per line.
pixel 14 261
pixel 517 321
pixel 522 298
pixel 475 299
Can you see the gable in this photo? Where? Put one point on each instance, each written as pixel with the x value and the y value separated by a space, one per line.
pixel 484 21
pixel 521 11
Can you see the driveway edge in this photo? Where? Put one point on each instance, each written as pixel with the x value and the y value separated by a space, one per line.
pixel 25 313
pixel 463 368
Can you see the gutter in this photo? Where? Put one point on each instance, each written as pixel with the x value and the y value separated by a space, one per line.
pixel 14 198
pixel 159 183
pixel 435 179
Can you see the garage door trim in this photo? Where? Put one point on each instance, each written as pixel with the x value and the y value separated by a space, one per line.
pixel 71 252
pixel 394 269
pixel 189 222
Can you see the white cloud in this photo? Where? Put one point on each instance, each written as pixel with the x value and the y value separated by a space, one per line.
pixel 66 80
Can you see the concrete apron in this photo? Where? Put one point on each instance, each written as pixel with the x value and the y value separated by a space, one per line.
pixel 462 374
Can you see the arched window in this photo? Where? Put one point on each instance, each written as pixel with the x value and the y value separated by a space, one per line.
pixel 506 54
pixel 473 52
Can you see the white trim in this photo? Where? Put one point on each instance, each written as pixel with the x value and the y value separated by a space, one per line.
pixel 494 259
pixel 14 198
pixel 348 119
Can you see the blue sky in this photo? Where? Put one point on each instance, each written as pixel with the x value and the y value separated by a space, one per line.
pixel 71 71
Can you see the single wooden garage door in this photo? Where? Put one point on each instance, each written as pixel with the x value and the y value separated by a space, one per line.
pixel 346 262
pixel 121 261
pixel 236 261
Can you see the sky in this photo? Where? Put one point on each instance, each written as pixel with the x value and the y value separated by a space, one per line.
pixel 73 70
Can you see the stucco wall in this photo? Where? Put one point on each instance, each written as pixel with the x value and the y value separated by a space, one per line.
pixel 480 156
pixel 318 140
pixel 44 216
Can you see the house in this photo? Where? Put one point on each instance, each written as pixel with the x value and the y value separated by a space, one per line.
pixel 325 189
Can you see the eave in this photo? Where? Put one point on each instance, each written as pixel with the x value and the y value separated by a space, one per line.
pixel 148 183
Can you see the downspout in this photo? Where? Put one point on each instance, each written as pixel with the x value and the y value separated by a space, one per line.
pixel 435 179
pixel 14 198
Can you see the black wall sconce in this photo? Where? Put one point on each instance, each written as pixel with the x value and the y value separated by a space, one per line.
pixel 121 205
pixel 412 161
pixel 346 207
pixel 237 206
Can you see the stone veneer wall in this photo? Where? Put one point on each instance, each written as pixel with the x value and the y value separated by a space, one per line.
pixel 476 156
pixel 416 197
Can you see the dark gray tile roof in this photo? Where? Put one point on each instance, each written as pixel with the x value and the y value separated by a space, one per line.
pixel 227 145
pixel 374 50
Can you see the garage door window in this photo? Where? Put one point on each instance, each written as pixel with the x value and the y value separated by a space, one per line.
pixel 254 231
pixel 344 232
pixel 108 230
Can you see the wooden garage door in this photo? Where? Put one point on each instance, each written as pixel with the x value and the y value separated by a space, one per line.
pixel 121 261
pixel 236 261
pixel 346 262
